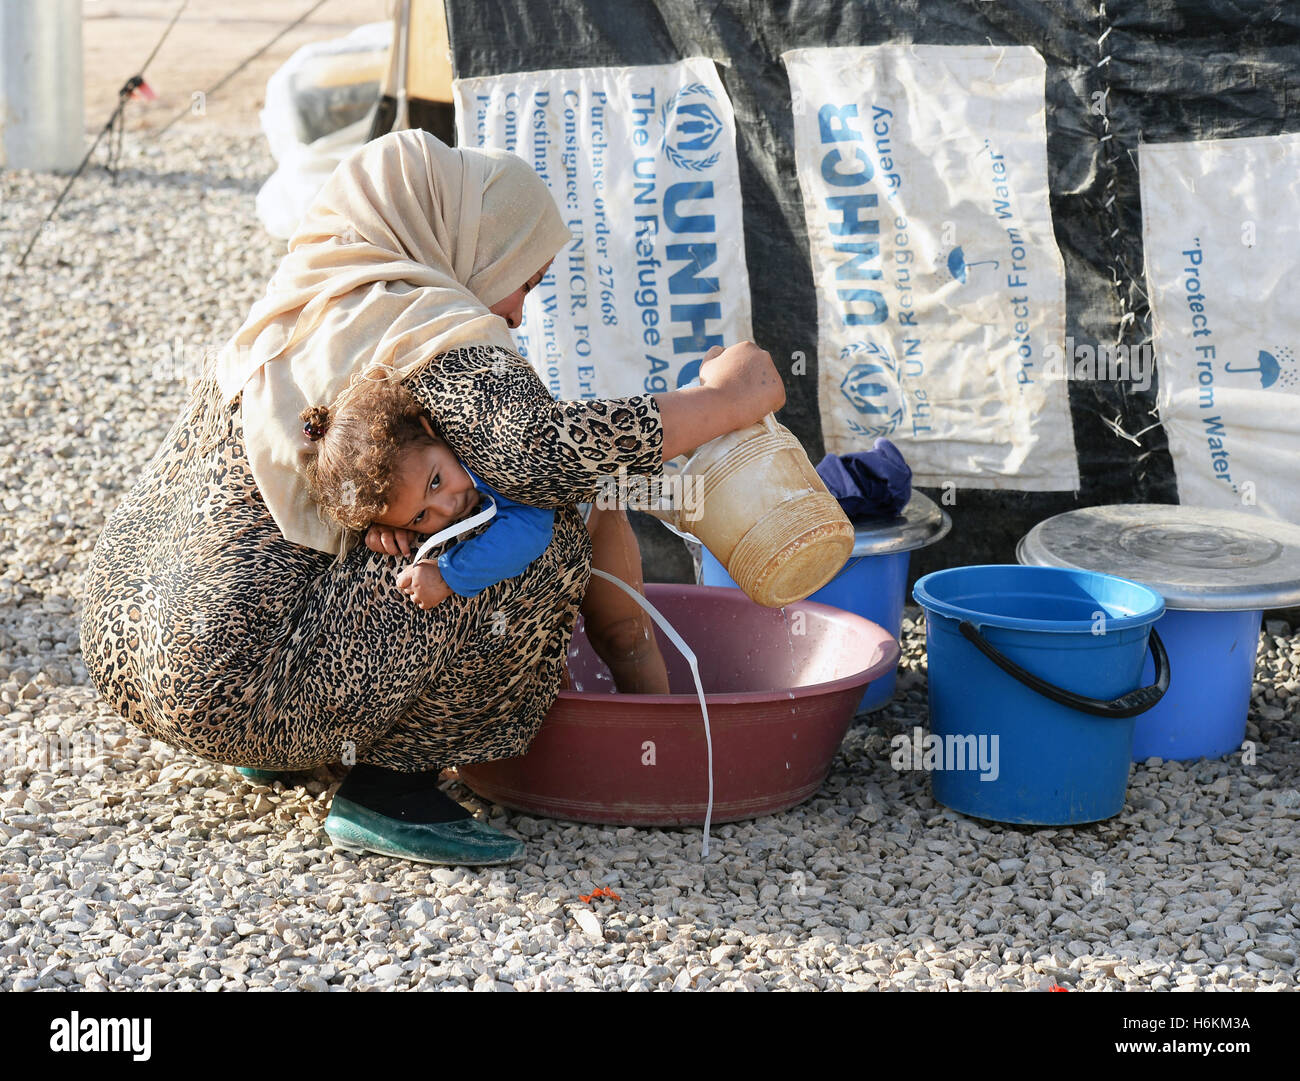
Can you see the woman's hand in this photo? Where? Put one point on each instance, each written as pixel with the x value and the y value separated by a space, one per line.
pixel 424 584
pixel 738 387
pixel 746 374
pixel 389 541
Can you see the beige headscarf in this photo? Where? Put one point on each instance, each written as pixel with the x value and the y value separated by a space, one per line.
pixel 398 259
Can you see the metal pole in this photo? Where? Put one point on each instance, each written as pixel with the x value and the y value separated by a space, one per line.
pixel 402 119
pixel 42 110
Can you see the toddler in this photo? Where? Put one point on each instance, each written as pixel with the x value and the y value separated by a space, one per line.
pixel 379 466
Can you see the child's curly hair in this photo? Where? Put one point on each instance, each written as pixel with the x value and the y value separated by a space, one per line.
pixel 357 446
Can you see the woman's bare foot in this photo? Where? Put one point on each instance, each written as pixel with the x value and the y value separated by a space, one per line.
pixel 619 630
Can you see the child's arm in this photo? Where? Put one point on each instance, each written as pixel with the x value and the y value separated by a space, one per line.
pixel 516 535
pixel 513 539
pixel 423 583
pixel 389 541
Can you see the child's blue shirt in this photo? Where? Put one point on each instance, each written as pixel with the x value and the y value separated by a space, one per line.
pixel 516 536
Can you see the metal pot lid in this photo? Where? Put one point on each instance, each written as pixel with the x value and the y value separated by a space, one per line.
pixel 1198 559
pixel 922 523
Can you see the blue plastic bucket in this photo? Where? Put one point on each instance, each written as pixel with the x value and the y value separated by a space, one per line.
pixel 1034 686
pixel 1218 571
pixel 873 587
pixel 1204 713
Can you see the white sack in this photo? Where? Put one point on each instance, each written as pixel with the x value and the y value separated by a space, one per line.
pixel 303 166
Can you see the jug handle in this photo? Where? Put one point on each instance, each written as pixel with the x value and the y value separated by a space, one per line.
pixel 1126 705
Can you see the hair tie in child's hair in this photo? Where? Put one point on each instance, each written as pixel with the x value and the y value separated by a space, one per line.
pixel 316 421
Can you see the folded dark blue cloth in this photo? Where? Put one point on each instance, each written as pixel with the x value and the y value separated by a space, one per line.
pixel 871 483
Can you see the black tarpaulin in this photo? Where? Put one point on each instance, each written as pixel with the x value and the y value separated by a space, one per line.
pixel 1117 75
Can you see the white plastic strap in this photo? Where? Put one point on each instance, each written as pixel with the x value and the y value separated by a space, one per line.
pixel 666 627
pixel 487 514
pixel 474 520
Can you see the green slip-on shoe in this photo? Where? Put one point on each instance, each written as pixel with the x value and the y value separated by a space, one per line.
pixel 258 776
pixel 465 842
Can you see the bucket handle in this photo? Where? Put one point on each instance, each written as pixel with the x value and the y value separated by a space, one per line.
pixel 1126 705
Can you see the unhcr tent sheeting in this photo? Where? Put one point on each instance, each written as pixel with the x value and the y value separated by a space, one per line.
pixel 965 227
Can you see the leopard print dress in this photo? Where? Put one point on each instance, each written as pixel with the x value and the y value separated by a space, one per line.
pixel 208 630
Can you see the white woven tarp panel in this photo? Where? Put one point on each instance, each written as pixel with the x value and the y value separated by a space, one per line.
pixel 1221 232
pixel 940 289
pixel 642 164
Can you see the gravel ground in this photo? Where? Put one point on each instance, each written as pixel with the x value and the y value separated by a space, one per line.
pixel 126 864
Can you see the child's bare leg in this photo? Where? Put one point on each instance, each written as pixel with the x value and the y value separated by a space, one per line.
pixel 620 631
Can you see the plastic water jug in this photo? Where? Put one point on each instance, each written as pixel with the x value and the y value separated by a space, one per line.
pixel 756 502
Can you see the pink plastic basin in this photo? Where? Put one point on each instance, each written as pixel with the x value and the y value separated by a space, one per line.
pixel 781 691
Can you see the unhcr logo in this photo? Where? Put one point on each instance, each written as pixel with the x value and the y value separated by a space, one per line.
pixel 112 1034
pixel 872 387
pixel 691 127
